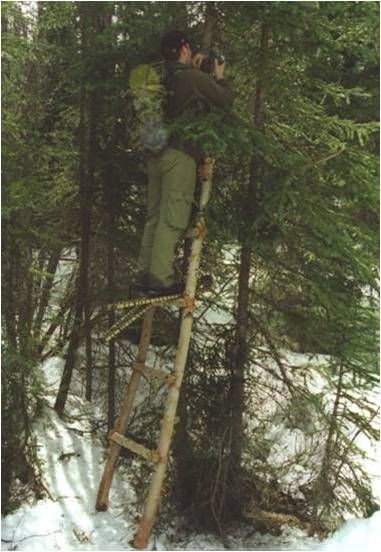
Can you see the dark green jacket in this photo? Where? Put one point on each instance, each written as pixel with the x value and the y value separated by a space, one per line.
pixel 193 92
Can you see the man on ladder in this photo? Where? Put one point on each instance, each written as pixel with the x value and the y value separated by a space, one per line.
pixel 172 173
pixel 172 179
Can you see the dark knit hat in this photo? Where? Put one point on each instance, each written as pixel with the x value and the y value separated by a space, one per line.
pixel 171 44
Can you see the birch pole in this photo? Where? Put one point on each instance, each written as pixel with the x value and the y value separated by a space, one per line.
pixel 168 421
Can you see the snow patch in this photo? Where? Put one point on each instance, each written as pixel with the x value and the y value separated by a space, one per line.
pixel 357 535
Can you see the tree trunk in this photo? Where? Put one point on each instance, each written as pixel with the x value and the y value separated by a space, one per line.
pixel 66 304
pixel 8 283
pixel 239 351
pixel 210 20
pixel 206 42
pixel 110 195
pixel 82 281
pixel 25 300
pixel 182 442
pixel 111 349
pixel 109 182
pixel 93 115
pixel 322 490
pixel 46 291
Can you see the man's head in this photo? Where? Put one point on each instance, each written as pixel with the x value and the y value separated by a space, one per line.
pixel 175 47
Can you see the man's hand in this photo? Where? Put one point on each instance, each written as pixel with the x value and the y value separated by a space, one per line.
pixel 218 70
pixel 197 59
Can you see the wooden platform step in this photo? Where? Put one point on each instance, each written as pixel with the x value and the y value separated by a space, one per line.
pixel 150 371
pixel 141 450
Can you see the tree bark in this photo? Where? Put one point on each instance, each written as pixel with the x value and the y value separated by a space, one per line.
pixel 86 213
pixel 8 283
pixel 110 195
pixel 322 491
pixel 109 183
pixel 100 20
pixel 82 281
pixel 239 350
pixel 46 291
pixel 182 442
pixel 66 304
pixel 206 42
pixel 210 19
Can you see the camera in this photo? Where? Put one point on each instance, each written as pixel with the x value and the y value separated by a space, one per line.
pixel 207 65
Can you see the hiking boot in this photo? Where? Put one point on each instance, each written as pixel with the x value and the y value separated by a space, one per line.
pixel 139 285
pixel 139 290
pixel 176 288
pixel 111 296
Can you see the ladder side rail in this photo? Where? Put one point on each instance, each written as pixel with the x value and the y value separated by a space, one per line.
pixel 125 412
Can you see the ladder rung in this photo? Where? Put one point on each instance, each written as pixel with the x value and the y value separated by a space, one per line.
pixel 147 371
pixel 141 450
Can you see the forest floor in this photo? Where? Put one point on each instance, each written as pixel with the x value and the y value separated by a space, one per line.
pixel 71 453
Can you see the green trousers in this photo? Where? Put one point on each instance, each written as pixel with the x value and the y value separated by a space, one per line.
pixel 171 187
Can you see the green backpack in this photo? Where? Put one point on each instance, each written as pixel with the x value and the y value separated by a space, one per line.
pixel 149 91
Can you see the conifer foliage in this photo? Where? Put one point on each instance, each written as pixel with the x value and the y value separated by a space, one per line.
pixel 292 244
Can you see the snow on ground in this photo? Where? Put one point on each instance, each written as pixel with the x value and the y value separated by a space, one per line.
pixel 72 458
pixel 357 535
pixel 242 538
pixel 296 451
pixel 72 455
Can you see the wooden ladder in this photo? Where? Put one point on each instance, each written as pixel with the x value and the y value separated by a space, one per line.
pixel 117 439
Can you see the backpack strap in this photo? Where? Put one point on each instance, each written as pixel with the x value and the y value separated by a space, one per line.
pixel 171 70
